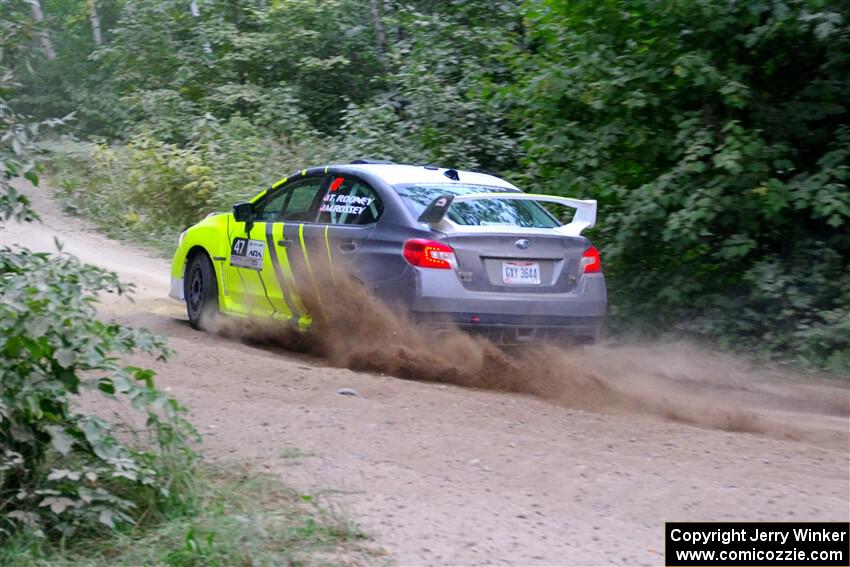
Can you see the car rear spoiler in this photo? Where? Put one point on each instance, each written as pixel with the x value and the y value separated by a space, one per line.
pixel 585 216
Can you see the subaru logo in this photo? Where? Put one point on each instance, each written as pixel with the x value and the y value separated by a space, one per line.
pixel 522 243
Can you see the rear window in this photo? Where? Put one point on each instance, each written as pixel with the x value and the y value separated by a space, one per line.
pixel 493 212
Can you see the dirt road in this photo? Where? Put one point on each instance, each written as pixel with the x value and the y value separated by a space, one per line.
pixel 441 474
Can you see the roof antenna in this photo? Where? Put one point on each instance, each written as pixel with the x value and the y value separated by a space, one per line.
pixel 452 174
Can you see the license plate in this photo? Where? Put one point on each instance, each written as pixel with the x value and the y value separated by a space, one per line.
pixel 521 273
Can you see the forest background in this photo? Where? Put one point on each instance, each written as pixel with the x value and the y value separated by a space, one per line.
pixel 714 134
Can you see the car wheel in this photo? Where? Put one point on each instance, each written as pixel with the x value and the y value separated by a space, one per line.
pixel 201 292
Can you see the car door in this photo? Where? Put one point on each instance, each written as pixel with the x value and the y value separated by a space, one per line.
pixel 289 276
pixel 347 214
pixel 248 261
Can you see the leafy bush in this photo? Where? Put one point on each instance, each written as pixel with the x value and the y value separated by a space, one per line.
pixel 239 520
pixel 161 114
pixel 18 158
pixel 149 190
pixel 715 137
pixel 64 468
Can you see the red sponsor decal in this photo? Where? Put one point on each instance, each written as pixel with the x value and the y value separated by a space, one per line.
pixel 336 183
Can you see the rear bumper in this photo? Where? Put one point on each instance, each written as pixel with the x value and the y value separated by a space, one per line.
pixel 576 330
pixel 509 318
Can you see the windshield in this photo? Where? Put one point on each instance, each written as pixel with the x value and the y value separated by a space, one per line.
pixel 487 212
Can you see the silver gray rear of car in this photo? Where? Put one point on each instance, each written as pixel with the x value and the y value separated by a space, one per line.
pixel 566 305
pixel 506 267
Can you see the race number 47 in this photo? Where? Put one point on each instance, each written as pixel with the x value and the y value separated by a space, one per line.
pixel 245 253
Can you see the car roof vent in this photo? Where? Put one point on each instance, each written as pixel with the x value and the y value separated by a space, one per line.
pixel 370 161
pixel 452 174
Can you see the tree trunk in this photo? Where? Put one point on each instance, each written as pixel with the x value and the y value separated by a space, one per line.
pixel 44 36
pixel 196 13
pixel 380 35
pixel 95 22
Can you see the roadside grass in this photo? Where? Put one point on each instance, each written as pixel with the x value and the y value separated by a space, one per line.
pixel 244 519
pixel 71 176
pixel 295 454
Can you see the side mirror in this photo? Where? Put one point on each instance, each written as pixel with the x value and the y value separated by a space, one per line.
pixel 438 208
pixel 243 212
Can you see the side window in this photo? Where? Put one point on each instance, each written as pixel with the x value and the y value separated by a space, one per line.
pixel 292 203
pixel 269 209
pixel 348 201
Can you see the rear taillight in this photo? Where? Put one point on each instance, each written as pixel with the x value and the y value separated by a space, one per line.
pixel 590 262
pixel 429 254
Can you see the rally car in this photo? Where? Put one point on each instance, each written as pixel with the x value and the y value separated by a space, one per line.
pixel 450 247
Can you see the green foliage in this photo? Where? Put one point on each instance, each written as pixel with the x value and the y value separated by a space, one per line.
pixel 72 82
pixel 18 154
pixel 435 111
pixel 17 158
pixel 275 67
pixel 149 190
pixel 716 139
pixel 63 467
pixel 238 521
pixel 126 190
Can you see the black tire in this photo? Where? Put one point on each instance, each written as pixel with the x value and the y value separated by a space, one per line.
pixel 200 289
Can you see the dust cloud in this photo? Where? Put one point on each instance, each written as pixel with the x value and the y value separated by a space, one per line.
pixel 679 383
